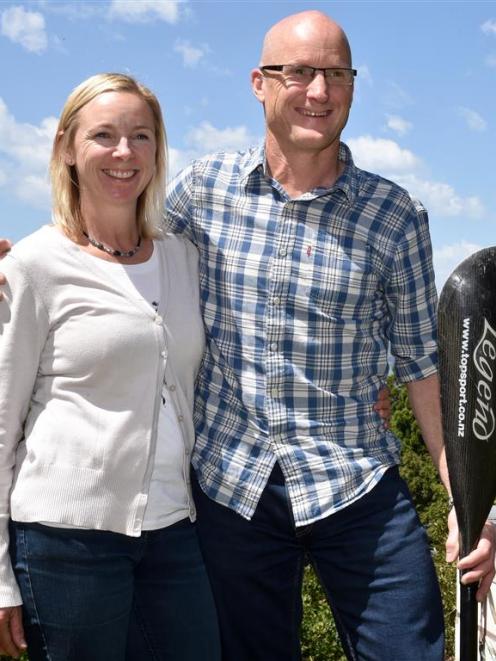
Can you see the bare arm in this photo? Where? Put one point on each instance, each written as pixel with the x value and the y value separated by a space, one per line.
pixel 426 405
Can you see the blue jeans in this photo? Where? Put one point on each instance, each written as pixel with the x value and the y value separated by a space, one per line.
pixel 372 559
pixel 101 596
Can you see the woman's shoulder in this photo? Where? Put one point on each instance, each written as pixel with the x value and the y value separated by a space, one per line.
pixel 36 247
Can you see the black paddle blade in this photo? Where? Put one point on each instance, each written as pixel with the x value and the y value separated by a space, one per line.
pixel 467 368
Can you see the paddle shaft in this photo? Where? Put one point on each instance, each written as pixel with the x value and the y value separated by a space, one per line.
pixel 468 623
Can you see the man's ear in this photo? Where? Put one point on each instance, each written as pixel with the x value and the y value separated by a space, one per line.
pixel 257 84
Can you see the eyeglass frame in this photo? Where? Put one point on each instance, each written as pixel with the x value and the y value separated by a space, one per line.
pixel 279 68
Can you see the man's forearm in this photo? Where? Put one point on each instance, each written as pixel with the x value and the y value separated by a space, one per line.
pixel 426 405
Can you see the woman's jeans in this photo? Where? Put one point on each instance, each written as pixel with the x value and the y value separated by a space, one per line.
pixel 101 596
pixel 372 558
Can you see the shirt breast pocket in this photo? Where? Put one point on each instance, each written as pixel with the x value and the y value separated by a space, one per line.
pixel 344 282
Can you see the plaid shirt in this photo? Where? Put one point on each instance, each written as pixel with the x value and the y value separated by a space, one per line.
pixel 300 299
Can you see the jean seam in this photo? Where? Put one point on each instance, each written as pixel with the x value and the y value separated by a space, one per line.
pixel 140 621
pixel 297 586
pixel 21 533
pixel 347 644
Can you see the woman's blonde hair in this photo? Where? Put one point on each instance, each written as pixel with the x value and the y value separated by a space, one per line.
pixel 64 180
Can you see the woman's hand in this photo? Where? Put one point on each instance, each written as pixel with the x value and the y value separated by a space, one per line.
pixel 11 631
pixel 5 246
pixel 382 406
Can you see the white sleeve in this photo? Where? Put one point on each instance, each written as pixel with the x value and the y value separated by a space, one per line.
pixel 23 331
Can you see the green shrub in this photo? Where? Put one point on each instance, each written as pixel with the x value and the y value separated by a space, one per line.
pixel 319 637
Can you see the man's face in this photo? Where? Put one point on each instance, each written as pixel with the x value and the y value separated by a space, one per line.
pixel 299 117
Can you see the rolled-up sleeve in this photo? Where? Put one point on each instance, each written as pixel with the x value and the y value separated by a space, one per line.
pixel 179 205
pixel 412 300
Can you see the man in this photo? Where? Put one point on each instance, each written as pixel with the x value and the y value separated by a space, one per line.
pixel 309 268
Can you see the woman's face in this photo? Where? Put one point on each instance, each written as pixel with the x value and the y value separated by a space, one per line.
pixel 114 149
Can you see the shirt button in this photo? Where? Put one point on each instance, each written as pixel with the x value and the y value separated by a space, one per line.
pixel 283 252
pixel 273 346
pixel 180 418
pixel 276 300
pixel 274 392
pixel 172 387
pixel 163 354
pixel 158 320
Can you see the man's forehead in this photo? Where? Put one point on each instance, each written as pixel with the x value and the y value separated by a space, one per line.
pixel 294 41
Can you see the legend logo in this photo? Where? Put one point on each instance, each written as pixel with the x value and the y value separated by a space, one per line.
pixel 484 357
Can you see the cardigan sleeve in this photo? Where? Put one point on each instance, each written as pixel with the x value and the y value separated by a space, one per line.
pixel 23 331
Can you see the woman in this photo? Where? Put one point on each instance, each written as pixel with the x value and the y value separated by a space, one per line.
pixel 101 341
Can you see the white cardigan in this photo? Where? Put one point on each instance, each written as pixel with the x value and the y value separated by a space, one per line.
pixel 82 364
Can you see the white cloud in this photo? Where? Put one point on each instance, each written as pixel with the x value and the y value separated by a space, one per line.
pixel 35 190
pixel 179 159
pixel 440 198
pixel 447 258
pixel 25 28
pixel 398 124
pixel 142 11
pixel 475 122
pixel 397 97
pixel 25 152
pixel 206 138
pixel 387 158
pixel 191 54
pixel 380 155
pixel 363 74
pixel 489 27
pixel 491 60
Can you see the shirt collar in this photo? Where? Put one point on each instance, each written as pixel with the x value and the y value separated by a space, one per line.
pixel 348 182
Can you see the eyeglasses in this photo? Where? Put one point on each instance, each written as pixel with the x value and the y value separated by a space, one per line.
pixel 304 74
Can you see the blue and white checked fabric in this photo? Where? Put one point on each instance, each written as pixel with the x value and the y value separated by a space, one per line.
pixel 300 299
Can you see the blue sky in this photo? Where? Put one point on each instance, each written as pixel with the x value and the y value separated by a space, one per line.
pixel 424 111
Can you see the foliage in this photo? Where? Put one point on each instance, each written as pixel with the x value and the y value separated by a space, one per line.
pixel 319 638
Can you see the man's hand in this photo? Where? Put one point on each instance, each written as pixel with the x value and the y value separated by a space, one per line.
pixel 12 640
pixel 5 246
pixel 477 566
pixel 383 405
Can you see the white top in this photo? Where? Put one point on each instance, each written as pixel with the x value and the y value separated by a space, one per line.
pixel 82 363
pixel 168 500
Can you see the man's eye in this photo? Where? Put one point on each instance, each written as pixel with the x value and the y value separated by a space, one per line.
pixel 302 71
pixel 335 74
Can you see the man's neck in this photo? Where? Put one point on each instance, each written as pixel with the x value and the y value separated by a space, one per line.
pixel 301 171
